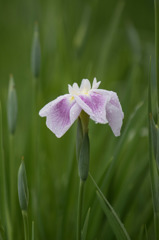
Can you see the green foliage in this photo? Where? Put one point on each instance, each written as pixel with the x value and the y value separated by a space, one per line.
pixel 85 227
pixel 112 216
pixel 2 233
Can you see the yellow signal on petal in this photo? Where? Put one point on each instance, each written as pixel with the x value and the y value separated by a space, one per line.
pixel 72 98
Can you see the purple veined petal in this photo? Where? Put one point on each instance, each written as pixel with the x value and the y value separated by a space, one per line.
pixel 114 113
pixel 94 104
pixel 60 114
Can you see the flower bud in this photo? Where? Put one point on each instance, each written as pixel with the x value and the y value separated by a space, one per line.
pixel 12 108
pixel 23 192
pixel 36 53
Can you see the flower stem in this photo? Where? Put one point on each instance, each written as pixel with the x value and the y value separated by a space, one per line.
pixel 79 213
pixel 12 176
pixel 26 225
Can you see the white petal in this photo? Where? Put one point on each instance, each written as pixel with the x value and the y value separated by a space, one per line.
pixel 85 85
pixel 95 84
pixel 74 89
pixel 70 89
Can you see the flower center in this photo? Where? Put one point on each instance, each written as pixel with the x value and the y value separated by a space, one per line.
pixel 85 91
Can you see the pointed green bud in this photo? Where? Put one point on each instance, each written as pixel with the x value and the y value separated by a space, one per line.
pixel 36 53
pixel 23 192
pixel 12 108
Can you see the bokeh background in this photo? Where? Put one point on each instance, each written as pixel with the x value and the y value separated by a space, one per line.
pixel 110 40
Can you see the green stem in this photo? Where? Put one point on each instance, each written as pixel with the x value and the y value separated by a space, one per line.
pixel 79 213
pixel 5 208
pixel 34 129
pixel 11 199
pixel 33 163
pixel 26 225
pixel 157 45
pixel 12 175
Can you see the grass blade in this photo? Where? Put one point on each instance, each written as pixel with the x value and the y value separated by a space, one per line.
pixel 85 227
pixel 32 230
pixel 153 163
pixel 2 233
pixel 116 224
pixel 109 38
pixel 4 200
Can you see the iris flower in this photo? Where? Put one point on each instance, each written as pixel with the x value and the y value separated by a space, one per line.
pixel 102 106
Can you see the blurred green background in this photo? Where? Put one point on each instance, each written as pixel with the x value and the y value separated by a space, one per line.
pixel 110 40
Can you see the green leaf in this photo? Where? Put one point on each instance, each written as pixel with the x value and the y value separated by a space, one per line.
pixel 153 159
pixel 115 223
pixel 143 233
pixel 2 171
pixel 154 133
pixel 157 150
pixel 146 233
pixel 2 233
pixel 85 227
pixel 132 119
pixel 109 37
pixel 32 231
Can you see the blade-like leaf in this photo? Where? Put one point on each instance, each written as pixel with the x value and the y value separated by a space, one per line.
pixel 32 231
pixel 133 118
pixel 116 224
pixel 154 133
pixel 85 227
pixel 157 147
pixel 2 233
pixel 153 146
